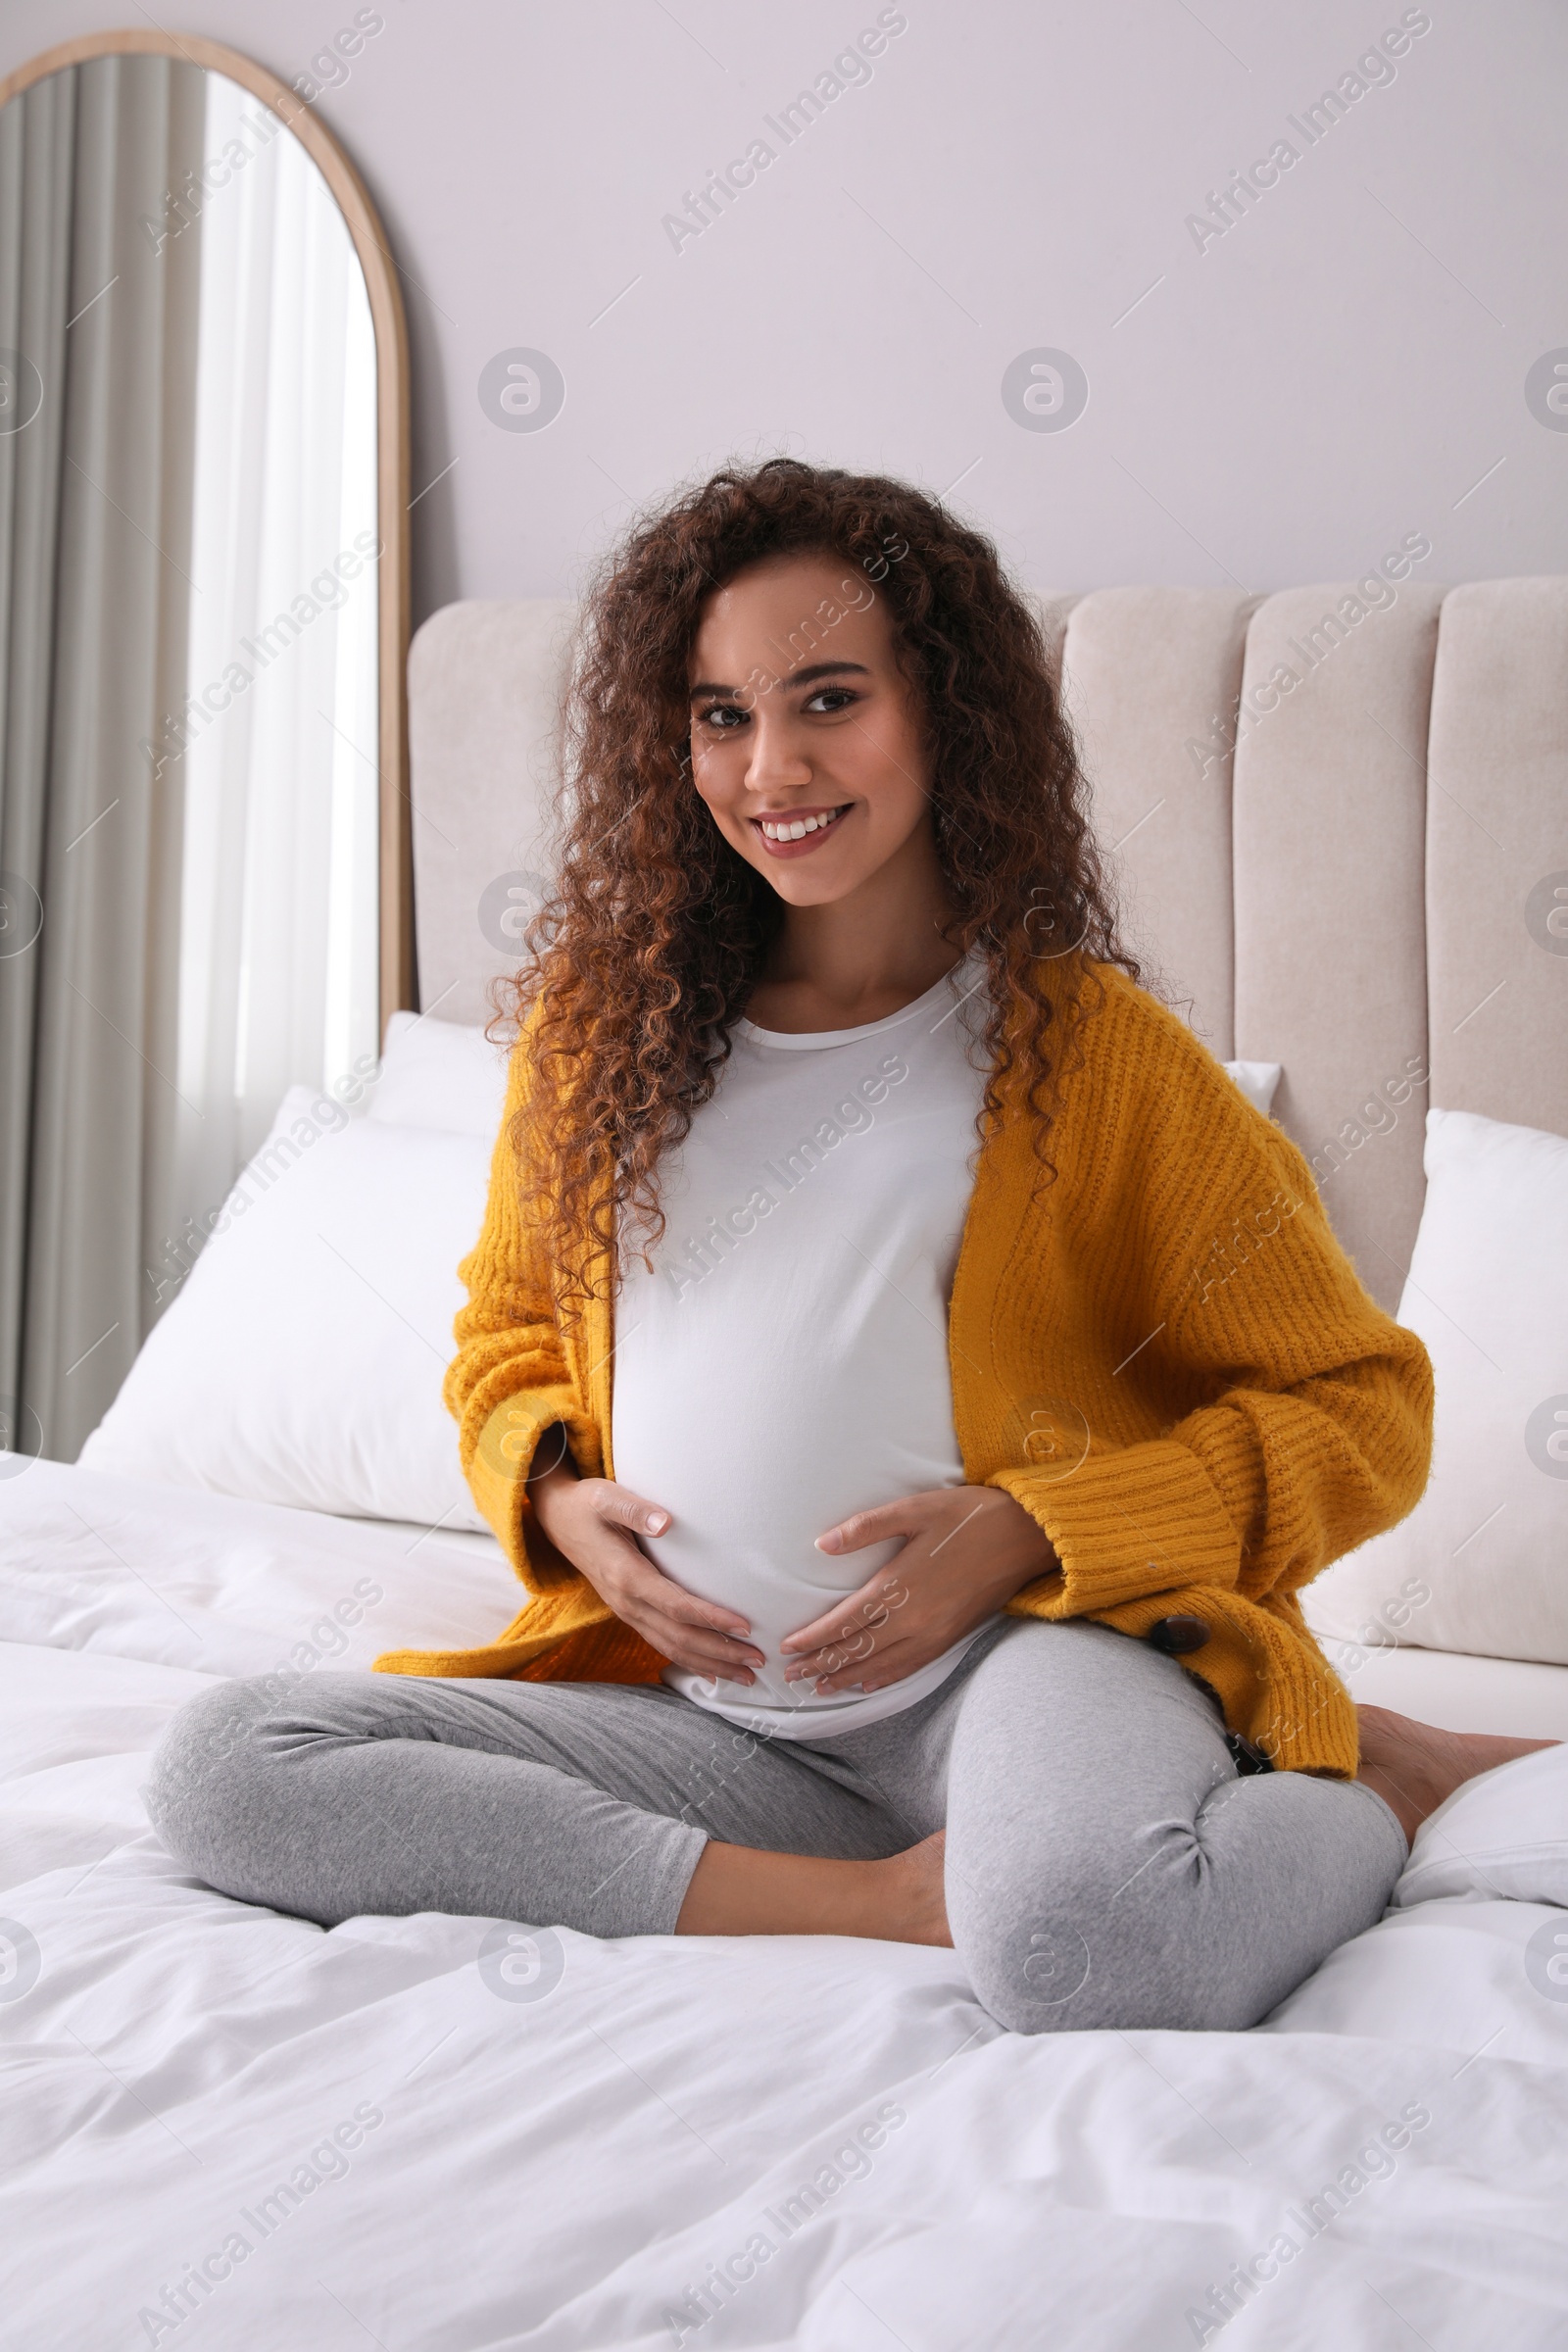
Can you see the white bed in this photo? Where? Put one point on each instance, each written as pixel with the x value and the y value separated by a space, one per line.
pixel 563 2170
pixel 471 2136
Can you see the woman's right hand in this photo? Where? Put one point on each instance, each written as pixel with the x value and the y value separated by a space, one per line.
pixel 595 1523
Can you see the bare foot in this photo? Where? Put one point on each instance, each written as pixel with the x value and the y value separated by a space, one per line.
pixel 745 1891
pixel 918 1907
pixel 1414 1766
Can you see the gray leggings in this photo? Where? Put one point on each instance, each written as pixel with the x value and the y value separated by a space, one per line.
pixel 1106 1866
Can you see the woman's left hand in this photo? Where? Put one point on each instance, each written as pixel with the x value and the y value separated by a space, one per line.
pixel 967 1552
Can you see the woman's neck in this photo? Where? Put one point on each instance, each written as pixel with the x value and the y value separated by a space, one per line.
pixel 860 958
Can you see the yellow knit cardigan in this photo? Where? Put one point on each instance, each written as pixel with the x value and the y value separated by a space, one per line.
pixel 1165 1355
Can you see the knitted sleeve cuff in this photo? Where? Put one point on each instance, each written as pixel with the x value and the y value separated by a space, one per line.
pixel 1137 1520
pixel 498 1471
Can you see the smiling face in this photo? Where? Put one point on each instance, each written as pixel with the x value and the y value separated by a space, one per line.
pixel 806 743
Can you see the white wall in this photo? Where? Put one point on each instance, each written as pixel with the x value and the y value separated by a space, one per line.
pixel 1340 367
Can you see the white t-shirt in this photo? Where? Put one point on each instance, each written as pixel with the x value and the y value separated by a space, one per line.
pixel 785 1363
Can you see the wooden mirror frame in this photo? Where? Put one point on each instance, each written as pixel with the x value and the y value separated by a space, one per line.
pixel 396 879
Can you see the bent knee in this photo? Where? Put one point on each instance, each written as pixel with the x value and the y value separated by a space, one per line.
pixel 1079 1957
pixel 203 1794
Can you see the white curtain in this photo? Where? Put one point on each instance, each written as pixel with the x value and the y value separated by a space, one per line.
pixel 278 946
pixel 95 516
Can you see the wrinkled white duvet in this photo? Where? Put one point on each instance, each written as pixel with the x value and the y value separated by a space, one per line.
pixel 222 2128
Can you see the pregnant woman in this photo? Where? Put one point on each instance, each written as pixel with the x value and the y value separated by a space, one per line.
pixel 910 1378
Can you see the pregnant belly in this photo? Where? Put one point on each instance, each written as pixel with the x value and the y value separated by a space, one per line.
pixel 744 1525
pixel 756 1449
pixel 764 1562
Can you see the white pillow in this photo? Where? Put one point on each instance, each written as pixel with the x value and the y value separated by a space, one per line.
pixel 437 1074
pixel 1481 1564
pixel 302 1363
pixel 1258 1081
pixel 1504 1834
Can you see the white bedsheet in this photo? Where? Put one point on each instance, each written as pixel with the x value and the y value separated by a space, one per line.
pixel 568 2140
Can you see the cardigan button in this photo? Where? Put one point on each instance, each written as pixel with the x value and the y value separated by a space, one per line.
pixel 1178 1636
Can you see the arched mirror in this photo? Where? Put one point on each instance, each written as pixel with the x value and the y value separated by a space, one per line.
pixel 203 862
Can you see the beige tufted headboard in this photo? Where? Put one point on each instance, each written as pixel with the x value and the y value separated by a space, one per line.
pixel 1353 874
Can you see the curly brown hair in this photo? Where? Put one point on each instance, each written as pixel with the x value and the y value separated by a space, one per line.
pixel 644 958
